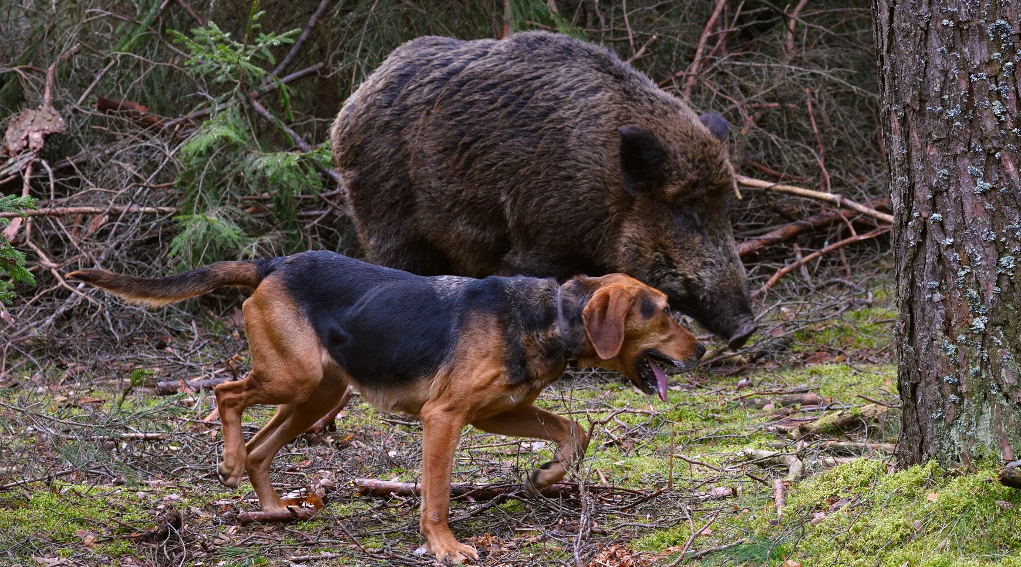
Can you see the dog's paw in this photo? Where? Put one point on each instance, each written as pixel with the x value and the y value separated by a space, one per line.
pixel 322 426
pixel 229 476
pixel 547 474
pixel 449 553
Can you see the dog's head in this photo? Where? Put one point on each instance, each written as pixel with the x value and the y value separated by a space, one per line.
pixel 631 330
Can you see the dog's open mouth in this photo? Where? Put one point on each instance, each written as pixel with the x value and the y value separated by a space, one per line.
pixel 652 377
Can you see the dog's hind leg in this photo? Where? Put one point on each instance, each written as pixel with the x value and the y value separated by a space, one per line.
pixel 329 421
pixel 289 421
pixel 287 370
pixel 536 423
pixel 231 400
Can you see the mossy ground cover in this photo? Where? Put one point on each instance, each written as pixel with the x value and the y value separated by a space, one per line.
pixel 90 474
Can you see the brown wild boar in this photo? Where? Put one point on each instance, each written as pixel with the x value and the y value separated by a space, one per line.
pixel 545 156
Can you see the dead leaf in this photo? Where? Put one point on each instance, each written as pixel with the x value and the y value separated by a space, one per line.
pixel 493 545
pixel 87 537
pixel 932 497
pixel 313 501
pixel 6 316
pixel 613 556
pixel 791 563
pixel 28 127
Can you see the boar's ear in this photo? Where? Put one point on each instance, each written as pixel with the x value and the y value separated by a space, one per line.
pixel 643 159
pixel 604 316
pixel 716 124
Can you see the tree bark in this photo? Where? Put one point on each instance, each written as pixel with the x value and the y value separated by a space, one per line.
pixel 949 74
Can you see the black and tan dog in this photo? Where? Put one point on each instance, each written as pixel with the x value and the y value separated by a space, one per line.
pixel 453 350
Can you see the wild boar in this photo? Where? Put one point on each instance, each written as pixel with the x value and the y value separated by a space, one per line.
pixel 541 155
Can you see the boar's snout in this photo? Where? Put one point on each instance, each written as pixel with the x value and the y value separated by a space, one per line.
pixel 726 311
pixel 741 336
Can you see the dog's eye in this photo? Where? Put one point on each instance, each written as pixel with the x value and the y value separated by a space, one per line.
pixel 667 310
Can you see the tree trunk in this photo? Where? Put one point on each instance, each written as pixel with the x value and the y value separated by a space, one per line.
pixel 949 73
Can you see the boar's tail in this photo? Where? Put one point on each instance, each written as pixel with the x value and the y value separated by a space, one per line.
pixel 157 292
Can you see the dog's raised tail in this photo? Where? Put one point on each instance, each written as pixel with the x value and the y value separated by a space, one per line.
pixel 157 292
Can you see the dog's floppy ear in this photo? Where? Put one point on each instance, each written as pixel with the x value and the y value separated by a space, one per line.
pixel 604 316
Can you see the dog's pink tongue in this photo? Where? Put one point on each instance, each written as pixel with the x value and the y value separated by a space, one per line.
pixel 660 379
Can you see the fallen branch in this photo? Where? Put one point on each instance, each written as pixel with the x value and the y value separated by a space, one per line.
pixel 795 466
pixel 1011 475
pixel 789 232
pixel 288 514
pixel 46 478
pixel 691 539
pixel 835 246
pixel 386 488
pixel 778 497
pixel 114 209
pixel 140 436
pixel 839 421
pixel 839 200
pixel 789 45
pixel 806 399
pixel 476 493
pixel 855 448
pixel 168 387
pixel 264 89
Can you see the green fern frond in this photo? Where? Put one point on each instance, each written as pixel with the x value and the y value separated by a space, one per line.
pixel 12 262
pixel 207 237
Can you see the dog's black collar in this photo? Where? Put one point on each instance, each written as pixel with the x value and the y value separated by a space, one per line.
pixel 563 329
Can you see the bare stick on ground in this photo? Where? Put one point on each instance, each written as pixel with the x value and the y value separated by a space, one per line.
pixel 797 264
pixel 838 200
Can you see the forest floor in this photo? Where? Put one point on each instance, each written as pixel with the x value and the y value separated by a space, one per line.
pixel 110 473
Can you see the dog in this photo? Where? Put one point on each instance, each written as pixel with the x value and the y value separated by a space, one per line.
pixel 451 350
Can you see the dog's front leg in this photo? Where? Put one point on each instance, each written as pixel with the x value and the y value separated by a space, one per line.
pixel 441 430
pixel 536 423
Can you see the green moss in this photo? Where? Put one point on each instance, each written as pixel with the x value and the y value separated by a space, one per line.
pixel 55 515
pixel 920 516
pixel 867 329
